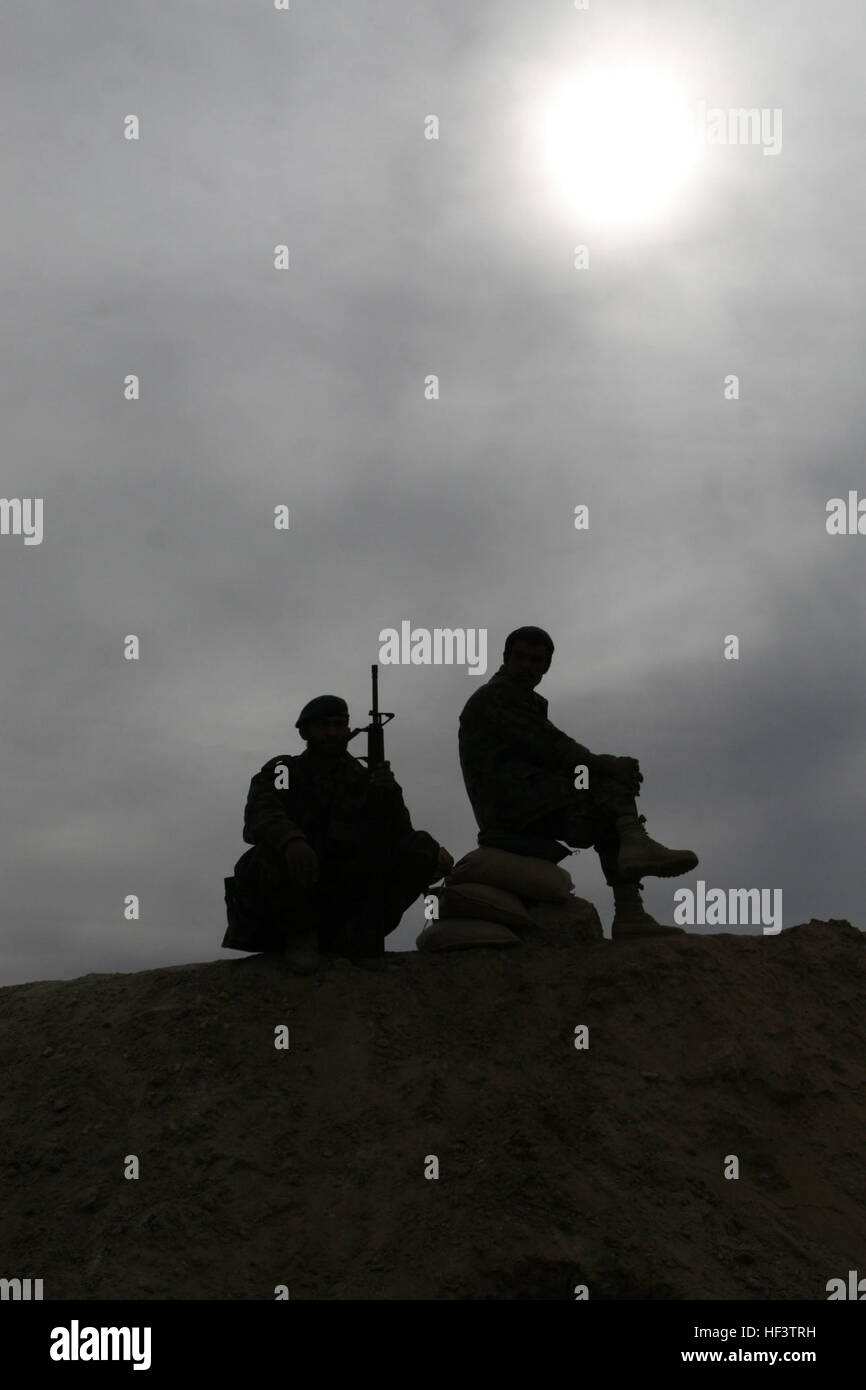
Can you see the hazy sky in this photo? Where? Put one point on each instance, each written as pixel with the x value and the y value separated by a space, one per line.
pixel 558 386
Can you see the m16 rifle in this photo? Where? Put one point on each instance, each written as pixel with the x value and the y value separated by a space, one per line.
pixel 371 928
pixel 375 730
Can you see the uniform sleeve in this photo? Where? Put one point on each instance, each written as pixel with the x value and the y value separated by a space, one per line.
pixel 536 740
pixel 265 820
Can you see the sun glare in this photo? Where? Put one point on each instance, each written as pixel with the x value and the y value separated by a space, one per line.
pixel 619 144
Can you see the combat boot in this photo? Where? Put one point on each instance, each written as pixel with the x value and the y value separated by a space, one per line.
pixel 365 938
pixel 631 919
pixel 301 954
pixel 641 857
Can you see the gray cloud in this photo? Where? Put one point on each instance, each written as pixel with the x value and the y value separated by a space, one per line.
pixel 411 257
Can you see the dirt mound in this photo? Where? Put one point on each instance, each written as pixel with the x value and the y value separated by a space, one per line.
pixel 558 1166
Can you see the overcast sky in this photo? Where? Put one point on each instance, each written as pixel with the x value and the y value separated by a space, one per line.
pixel 558 386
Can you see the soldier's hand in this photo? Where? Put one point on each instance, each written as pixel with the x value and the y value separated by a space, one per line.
pixel 445 862
pixel 302 862
pixel 624 770
pixel 382 776
pixel 629 773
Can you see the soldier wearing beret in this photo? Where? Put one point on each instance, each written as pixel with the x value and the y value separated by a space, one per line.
pixel 335 861
pixel 519 774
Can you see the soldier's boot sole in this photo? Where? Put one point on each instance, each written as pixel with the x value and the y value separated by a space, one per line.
pixel 641 857
pixel 635 930
pixel 301 954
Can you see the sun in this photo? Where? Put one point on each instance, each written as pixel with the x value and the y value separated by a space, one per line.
pixel 620 144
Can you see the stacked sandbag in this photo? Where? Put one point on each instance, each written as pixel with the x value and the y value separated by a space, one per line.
pixel 573 922
pixel 483 901
pixel 533 880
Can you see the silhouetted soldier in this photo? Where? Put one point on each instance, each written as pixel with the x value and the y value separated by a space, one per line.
pixel 519 774
pixel 335 861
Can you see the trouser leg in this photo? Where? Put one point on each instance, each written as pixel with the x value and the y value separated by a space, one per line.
pixel 407 875
pixel 589 820
pixel 353 906
pixel 367 896
pixel 595 822
pixel 272 908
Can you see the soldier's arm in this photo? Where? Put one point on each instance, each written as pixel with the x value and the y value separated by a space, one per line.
pixel 538 741
pixel 265 820
pixel 389 802
pixel 388 809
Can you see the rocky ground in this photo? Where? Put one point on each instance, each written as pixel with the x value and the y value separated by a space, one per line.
pixel 305 1167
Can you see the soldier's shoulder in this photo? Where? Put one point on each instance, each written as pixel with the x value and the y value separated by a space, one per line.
pixel 480 697
pixel 281 758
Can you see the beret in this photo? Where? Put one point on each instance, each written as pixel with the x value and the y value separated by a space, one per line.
pixel 321 707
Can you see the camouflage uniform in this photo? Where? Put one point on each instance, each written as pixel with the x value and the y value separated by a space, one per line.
pixel 519 774
pixel 372 864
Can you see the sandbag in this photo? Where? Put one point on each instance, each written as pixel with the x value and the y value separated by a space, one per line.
pixel 482 902
pixel 462 933
pixel 534 880
pixel 539 846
